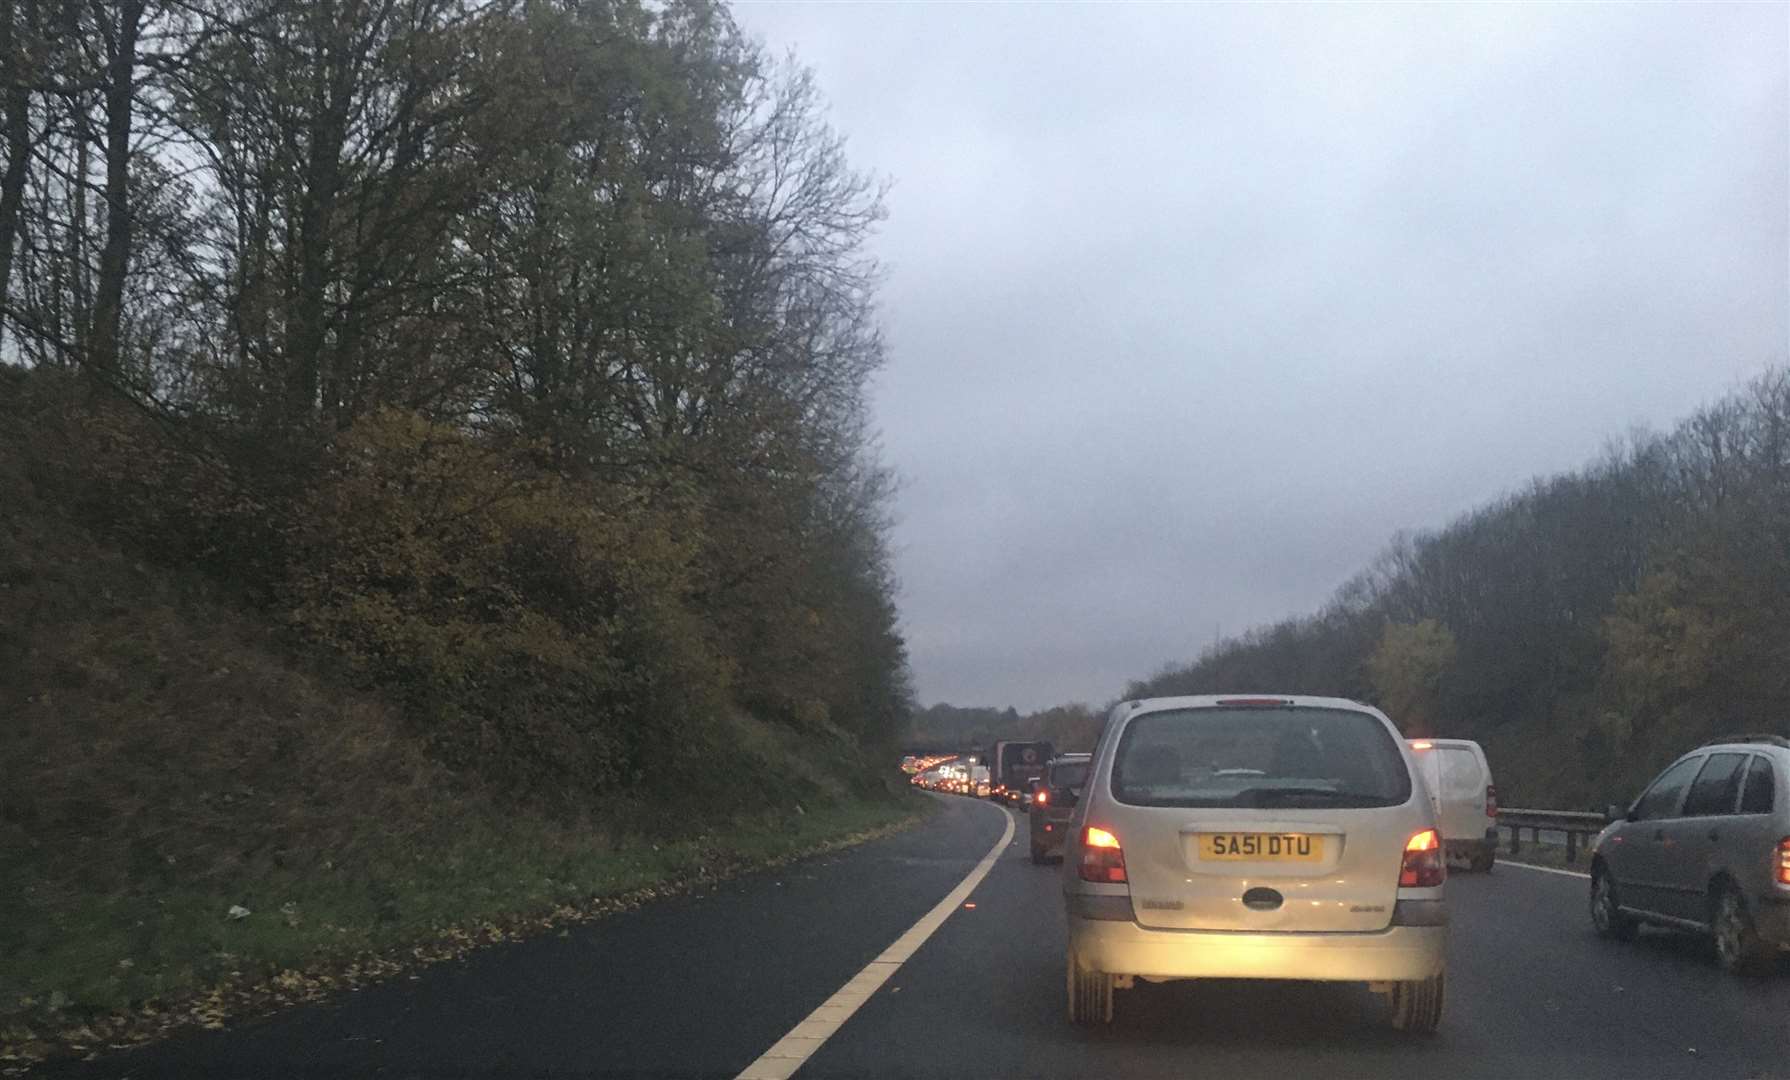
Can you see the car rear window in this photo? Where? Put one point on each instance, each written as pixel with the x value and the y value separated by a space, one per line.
pixel 1460 775
pixel 1069 775
pixel 1259 757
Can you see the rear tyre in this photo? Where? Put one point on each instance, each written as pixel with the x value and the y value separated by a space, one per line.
pixel 1038 858
pixel 1090 995
pixel 1482 860
pixel 1417 1006
pixel 1738 946
pixel 1606 908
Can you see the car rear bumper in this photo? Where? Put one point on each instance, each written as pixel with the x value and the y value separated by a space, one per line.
pixel 1771 918
pixel 1397 954
pixel 1048 831
pixel 1472 845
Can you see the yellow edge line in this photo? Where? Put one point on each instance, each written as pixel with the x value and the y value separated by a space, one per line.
pixel 790 1052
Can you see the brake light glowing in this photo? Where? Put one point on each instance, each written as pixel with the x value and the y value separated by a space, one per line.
pixel 1784 861
pixel 1042 798
pixel 1102 859
pixel 1423 866
pixel 1491 800
pixel 1422 744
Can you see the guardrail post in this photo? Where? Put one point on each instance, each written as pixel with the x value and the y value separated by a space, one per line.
pixel 1572 846
pixel 1516 840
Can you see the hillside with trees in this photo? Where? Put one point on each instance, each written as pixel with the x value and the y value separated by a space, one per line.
pixel 489 377
pixel 1586 629
pixel 1069 728
pixel 515 353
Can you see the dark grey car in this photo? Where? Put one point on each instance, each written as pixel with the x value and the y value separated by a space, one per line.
pixel 1706 848
pixel 1054 796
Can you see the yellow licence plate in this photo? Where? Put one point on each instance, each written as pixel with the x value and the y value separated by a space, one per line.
pixel 1261 847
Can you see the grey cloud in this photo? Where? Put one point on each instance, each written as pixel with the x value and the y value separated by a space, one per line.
pixel 1192 307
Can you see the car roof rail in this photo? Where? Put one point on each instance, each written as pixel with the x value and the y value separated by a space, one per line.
pixel 1758 737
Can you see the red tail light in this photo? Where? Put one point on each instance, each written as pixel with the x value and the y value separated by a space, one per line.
pixel 1491 800
pixel 1784 861
pixel 1423 867
pixel 1101 857
pixel 1042 798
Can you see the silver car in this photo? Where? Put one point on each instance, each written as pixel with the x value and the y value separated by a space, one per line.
pixel 1255 838
pixel 1705 848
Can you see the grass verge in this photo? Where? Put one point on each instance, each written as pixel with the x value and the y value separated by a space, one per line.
pixel 111 972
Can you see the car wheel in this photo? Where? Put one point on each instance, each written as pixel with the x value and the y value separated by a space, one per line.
pixel 1090 995
pixel 1483 860
pixel 1606 909
pixel 1417 1005
pixel 1738 947
pixel 1038 858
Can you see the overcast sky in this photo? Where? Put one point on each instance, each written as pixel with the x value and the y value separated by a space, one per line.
pixel 1190 308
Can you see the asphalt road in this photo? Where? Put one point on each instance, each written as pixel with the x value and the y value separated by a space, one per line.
pixel 700 986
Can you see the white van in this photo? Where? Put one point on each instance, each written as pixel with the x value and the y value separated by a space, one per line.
pixel 1466 800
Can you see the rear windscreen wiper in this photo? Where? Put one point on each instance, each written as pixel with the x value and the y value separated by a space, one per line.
pixel 1265 796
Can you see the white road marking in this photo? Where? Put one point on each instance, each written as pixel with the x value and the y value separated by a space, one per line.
pixel 782 1060
pixel 1545 869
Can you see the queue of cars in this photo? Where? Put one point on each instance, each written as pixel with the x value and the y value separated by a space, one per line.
pixel 1013 766
pixel 1291 837
pixel 956 777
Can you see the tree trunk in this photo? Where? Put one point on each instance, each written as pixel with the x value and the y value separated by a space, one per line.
pixel 114 258
pixel 17 122
pixel 80 306
pixel 308 339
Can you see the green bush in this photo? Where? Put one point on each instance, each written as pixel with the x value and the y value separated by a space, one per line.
pixel 541 630
pixel 574 643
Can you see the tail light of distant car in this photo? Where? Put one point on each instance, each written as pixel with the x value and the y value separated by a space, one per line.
pixel 1423 867
pixel 1102 859
pixel 1491 800
pixel 1042 798
pixel 1784 861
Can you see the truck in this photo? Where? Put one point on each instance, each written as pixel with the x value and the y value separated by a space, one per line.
pixel 1013 765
